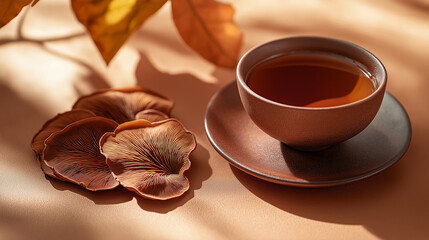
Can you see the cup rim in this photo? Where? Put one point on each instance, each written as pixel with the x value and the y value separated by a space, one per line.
pixel 379 88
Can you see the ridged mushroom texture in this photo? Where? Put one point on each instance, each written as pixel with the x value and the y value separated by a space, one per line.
pixel 55 124
pixel 122 105
pixel 150 158
pixel 74 154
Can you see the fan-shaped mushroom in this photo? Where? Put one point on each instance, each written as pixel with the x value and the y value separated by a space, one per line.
pixel 74 154
pixel 150 158
pixel 55 124
pixel 121 105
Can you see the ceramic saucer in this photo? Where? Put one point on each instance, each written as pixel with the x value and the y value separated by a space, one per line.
pixel 245 146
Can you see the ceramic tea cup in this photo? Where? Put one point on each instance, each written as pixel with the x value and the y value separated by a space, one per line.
pixel 306 127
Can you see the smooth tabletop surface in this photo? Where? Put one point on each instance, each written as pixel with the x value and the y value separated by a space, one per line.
pixel 47 61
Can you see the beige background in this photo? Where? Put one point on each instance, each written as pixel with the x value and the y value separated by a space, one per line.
pixel 48 61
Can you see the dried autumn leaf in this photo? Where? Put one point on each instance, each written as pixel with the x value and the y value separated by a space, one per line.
pixel 111 22
pixel 151 115
pixel 55 124
pixel 122 105
pixel 9 9
pixel 207 27
pixel 150 158
pixel 74 154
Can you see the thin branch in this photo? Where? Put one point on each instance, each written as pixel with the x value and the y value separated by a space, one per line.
pixel 21 23
pixel 21 36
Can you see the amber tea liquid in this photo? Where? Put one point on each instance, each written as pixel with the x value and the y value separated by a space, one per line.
pixel 311 80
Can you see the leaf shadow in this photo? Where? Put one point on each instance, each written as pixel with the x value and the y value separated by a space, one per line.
pixel 16 126
pixel 190 109
pixel 26 223
pixel 420 6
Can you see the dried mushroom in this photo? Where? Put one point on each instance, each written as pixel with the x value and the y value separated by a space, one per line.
pixel 121 105
pixel 150 158
pixel 55 124
pixel 74 154
pixel 151 115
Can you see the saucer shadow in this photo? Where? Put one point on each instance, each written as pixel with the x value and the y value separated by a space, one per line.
pixel 346 161
pixel 335 204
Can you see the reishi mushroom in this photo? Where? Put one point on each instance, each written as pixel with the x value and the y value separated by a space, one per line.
pixel 55 124
pixel 121 105
pixel 150 158
pixel 118 136
pixel 74 154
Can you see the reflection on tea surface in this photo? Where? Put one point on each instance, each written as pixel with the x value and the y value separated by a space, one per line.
pixel 311 79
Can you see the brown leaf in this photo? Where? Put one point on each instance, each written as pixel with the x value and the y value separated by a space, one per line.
pixel 9 9
pixel 111 22
pixel 207 27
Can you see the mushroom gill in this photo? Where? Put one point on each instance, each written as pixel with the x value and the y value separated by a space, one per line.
pixel 121 105
pixel 74 154
pixel 150 158
pixel 55 124
pixel 151 115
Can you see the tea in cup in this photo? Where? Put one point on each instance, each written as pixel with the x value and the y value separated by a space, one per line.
pixel 311 92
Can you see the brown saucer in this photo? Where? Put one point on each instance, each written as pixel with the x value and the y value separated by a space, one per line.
pixel 245 146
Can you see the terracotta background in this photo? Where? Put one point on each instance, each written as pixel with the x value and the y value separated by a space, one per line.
pixel 48 61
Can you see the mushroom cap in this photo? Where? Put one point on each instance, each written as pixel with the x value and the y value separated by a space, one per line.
pixel 74 154
pixel 57 123
pixel 150 158
pixel 121 105
pixel 151 115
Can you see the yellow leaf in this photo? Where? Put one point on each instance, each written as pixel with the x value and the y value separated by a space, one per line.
pixel 207 27
pixel 111 22
pixel 9 9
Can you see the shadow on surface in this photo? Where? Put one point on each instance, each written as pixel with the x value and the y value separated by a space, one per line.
pixel 190 109
pixel 114 196
pixel 377 203
pixel 415 5
pixel 27 223
pixel 16 126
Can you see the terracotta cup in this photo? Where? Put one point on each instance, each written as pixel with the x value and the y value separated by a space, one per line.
pixel 309 128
